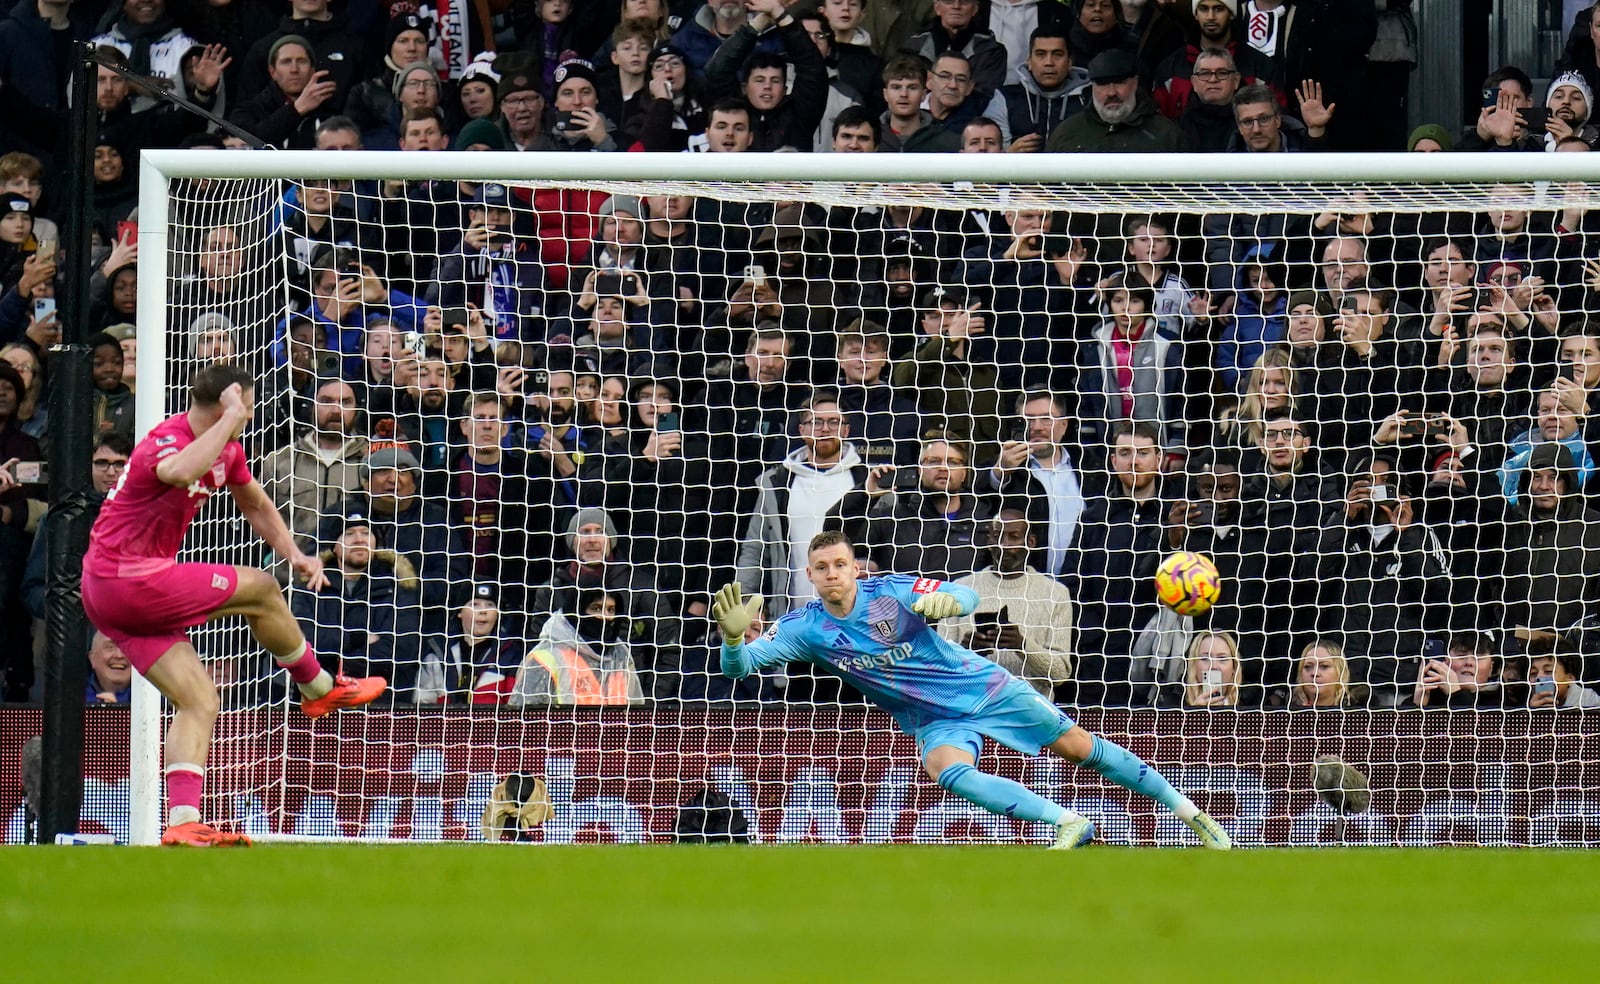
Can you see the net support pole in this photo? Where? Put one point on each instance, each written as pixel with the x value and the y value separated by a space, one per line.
pixel 149 408
pixel 71 505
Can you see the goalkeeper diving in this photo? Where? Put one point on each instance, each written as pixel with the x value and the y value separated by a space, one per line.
pixel 874 633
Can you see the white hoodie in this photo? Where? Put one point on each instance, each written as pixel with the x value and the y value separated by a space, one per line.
pixel 812 493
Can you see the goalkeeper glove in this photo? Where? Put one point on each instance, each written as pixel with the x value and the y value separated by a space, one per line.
pixel 936 605
pixel 733 613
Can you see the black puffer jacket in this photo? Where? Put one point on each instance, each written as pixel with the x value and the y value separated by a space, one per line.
pixel 1552 559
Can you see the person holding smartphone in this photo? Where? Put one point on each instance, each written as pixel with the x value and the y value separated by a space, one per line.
pixel 1554 681
pixel 1211 672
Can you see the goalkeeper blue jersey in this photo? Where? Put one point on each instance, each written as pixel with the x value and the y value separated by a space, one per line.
pixel 885 650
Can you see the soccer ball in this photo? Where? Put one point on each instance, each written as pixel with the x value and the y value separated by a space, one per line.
pixel 1188 583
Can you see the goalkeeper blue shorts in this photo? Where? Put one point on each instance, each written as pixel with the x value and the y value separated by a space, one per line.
pixel 1018 717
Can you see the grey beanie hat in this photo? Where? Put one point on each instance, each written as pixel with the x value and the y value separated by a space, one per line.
pixel 590 514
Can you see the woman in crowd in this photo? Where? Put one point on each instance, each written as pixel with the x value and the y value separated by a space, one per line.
pixel 1322 678
pixel 32 412
pixel 1211 673
pixel 1270 387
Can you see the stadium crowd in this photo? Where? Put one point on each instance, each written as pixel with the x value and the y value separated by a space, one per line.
pixel 531 430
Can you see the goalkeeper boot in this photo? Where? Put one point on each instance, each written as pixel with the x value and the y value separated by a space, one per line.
pixel 1210 833
pixel 346 692
pixel 198 834
pixel 1073 831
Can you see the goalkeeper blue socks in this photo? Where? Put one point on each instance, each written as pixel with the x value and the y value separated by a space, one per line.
pixel 998 795
pixel 1131 772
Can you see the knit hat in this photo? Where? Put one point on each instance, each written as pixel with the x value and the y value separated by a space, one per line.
pixel 1232 5
pixel 481 132
pixel 486 592
pixel 1300 297
pixel 1431 131
pixel 209 321
pixel 390 456
pixel 664 50
pixel 272 52
pixel 14 203
pixel 481 69
pixel 402 18
pixel 515 82
pixel 334 529
pixel 399 83
pixel 577 68
pixel 584 517
pixel 620 203
pixel 1576 81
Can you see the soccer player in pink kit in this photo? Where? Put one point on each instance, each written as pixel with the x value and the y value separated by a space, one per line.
pixel 136 592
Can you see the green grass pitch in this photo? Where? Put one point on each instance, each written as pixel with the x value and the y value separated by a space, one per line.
pixel 292 914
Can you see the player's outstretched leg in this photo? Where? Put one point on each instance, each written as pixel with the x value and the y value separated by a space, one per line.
pixel 1131 772
pixel 259 599
pixel 181 678
pixel 954 769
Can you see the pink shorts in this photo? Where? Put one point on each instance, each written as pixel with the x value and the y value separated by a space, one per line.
pixel 146 616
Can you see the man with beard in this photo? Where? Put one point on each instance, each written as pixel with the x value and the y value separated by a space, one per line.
pixel 883 421
pixel 367 616
pixel 1571 105
pixel 550 432
pixel 1121 118
pixel 421 417
pixel 323 466
pixel 1024 620
pixel 793 500
pixel 412 526
pixel 1112 563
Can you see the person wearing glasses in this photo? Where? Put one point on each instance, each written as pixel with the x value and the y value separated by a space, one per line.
pixel 955 28
pixel 1216 29
pixel 951 98
pixel 1206 113
pixel 1263 129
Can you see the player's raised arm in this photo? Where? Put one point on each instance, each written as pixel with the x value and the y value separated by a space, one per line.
pixel 734 615
pixel 185 467
pixel 934 599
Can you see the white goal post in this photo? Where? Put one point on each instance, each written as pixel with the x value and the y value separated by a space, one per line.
pixel 1271 798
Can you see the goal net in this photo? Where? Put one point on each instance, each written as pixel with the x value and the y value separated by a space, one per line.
pixel 532 409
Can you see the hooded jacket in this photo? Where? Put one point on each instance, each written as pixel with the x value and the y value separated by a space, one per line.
pixel 1552 571
pixel 1146 131
pixel 764 563
pixel 565 668
pixel 1024 107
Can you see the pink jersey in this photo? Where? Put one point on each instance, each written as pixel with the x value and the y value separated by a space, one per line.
pixel 143 521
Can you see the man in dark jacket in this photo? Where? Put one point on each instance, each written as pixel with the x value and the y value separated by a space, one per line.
pixel 1206 116
pixel 1111 567
pixel 1325 40
pixel 883 421
pixel 1552 546
pixel 1121 118
pixel 1048 90
pixel 339 49
pixel 285 113
pixel 955 28
pixel 778 117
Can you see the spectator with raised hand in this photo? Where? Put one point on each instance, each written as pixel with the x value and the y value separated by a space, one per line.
pixel 1467 677
pixel 1262 129
pixel 583 657
pixel 345 292
pixel 779 117
pixel 1556 681
pixel 493 269
pixel 1121 116
pixel 1035 472
pixel 608 327
pixel 323 466
pixel 285 113
pixel 1502 124
pixel 19 321
pixel 906 126
pixel 368 613
pixel 340 48
pixel 710 28
pixel 1376 372
pixel 153 43
pixel 1112 562
pixel 930 525
pixel 1048 90
pixel 1025 620
pixel 957 388
pixel 476 661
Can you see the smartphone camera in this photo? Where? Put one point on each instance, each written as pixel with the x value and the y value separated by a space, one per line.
pixel 328 363
pixel 563 123
pixel 608 285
